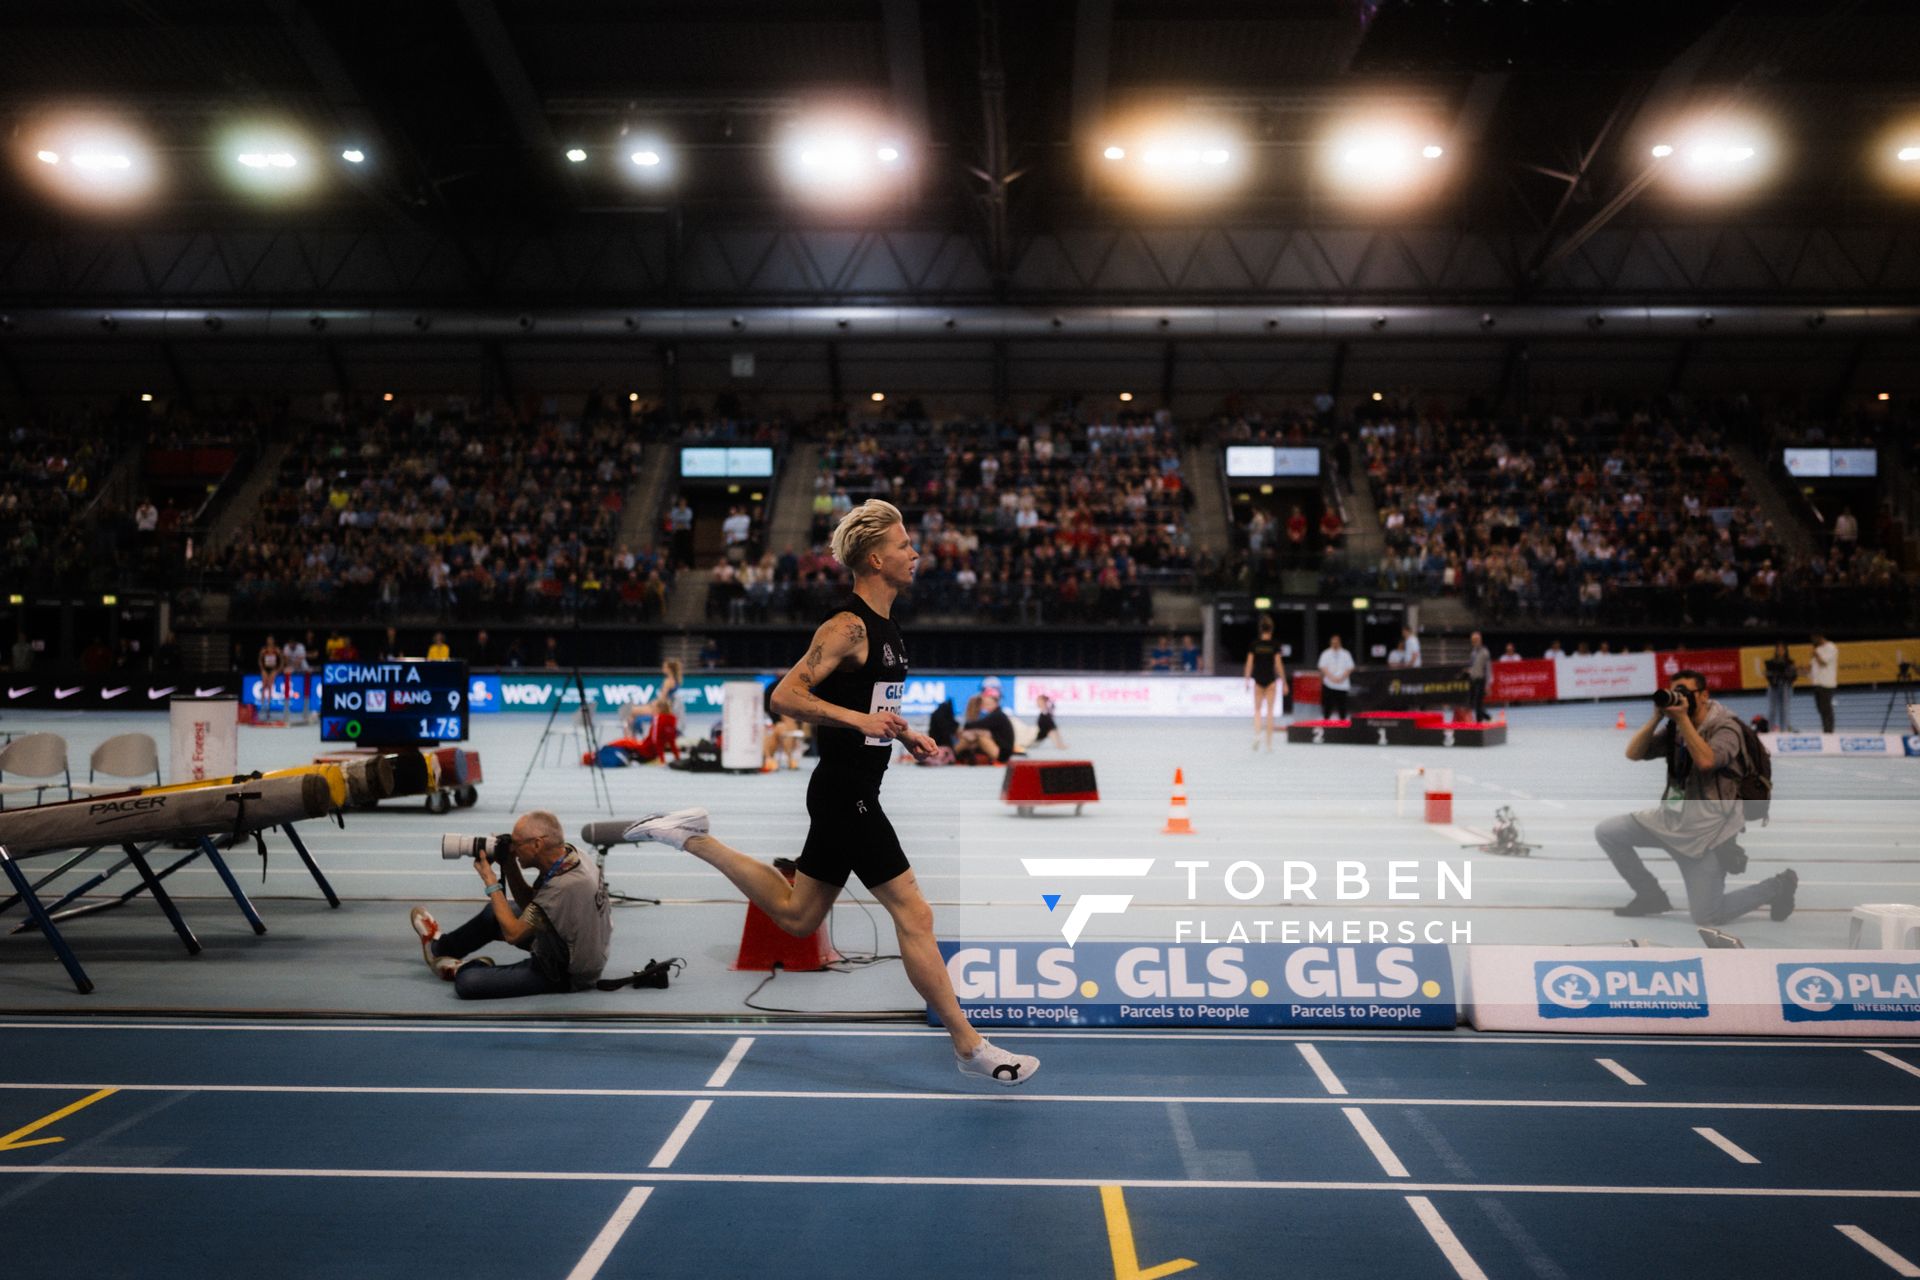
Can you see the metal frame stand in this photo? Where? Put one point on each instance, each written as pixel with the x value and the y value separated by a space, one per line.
pixel 24 892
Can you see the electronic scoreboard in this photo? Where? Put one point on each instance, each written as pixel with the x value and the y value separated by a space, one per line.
pixel 393 704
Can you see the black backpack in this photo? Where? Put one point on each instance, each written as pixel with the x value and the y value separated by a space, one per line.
pixel 1756 780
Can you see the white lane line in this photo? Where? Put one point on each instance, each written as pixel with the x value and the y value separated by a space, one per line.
pixel 1462 835
pixel 881 1180
pixel 1375 1143
pixel 998 1099
pixel 1456 1253
pixel 1620 1071
pixel 1429 1040
pixel 730 1063
pixel 670 1149
pixel 1727 1145
pixel 1900 1266
pixel 1890 1060
pixel 1328 1080
pixel 596 1255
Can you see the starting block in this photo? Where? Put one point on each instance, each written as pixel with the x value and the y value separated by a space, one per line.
pixel 1029 783
pixel 763 944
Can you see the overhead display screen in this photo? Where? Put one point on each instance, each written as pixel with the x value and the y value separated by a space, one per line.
pixel 1809 464
pixel 706 462
pixel 1265 461
pixel 393 704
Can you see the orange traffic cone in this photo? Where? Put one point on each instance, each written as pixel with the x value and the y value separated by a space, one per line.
pixel 1620 721
pixel 1177 824
pixel 1502 717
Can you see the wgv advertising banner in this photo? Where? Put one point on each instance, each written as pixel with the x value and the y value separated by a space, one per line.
pixel 1121 984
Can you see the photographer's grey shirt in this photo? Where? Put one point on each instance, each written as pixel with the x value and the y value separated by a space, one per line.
pixel 1709 813
pixel 1479 663
pixel 574 920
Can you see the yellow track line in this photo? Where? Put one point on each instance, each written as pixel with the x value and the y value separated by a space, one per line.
pixel 11 1142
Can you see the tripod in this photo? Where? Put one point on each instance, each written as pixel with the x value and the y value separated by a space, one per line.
pixel 1902 694
pixel 1506 836
pixel 601 792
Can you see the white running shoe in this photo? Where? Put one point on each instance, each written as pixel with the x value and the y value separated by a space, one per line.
pixel 674 828
pixel 996 1064
pixel 428 930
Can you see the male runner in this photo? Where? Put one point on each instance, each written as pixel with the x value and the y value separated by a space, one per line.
pixel 849 684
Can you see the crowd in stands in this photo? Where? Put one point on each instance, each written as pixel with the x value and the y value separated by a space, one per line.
pixel 417 511
pixel 1609 517
pixel 1055 522
pixel 47 477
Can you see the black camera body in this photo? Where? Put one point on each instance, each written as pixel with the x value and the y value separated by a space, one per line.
pixel 493 848
pixel 1665 698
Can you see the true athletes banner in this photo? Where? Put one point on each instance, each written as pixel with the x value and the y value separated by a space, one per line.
pixel 1401 688
pixel 1119 984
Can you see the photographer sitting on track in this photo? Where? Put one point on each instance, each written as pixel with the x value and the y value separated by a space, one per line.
pixel 1699 814
pixel 563 918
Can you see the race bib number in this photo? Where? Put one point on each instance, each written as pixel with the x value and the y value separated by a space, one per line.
pixel 886 697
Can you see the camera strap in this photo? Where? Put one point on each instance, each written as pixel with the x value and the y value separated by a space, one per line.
pixel 656 974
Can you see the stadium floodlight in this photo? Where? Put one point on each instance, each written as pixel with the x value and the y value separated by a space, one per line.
pixel 576 155
pixel 879 396
pixel 1126 397
pixel 1895 155
pixel 269 159
pixel 1381 160
pixel 843 157
pixel 88 159
pixel 1172 157
pixel 354 155
pixel 1715 155
pixel 651 162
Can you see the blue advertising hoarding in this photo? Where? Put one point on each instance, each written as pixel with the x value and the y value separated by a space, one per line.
pixel 1121 984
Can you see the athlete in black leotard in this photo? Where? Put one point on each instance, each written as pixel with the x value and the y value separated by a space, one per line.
pixel 1267 673
pixel 850 685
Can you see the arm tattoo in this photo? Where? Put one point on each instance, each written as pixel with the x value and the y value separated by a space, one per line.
pixel 857 632
pixel 806 674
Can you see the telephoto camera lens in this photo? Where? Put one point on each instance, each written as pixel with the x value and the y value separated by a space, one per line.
pixel 1662 698
pixel 464 846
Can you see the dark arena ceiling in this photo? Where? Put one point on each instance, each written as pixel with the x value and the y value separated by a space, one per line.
pixel 466 107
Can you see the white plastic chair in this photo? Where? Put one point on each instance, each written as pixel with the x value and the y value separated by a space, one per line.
pixel 130 756
pixel 37 755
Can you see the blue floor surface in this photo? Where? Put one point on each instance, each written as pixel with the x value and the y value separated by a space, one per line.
pixel 301 1149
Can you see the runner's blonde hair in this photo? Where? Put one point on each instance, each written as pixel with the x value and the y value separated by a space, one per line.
pixel 860 530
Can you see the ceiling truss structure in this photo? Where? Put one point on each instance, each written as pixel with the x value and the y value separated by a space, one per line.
pixel 653 261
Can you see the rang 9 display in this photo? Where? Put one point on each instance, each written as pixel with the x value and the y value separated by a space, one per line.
pixel 393 704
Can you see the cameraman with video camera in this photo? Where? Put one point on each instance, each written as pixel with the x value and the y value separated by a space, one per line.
pixel 563 918
pixel 1699 814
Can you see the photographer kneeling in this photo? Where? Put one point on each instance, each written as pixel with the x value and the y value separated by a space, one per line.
pixel 1699 814
pixel 563 918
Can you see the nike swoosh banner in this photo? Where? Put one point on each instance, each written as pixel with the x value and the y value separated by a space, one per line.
pixel 113 692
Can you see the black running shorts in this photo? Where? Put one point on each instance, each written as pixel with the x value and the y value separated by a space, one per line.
pixel 850 834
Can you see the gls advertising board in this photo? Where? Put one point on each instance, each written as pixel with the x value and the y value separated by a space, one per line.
pixel 1120 984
